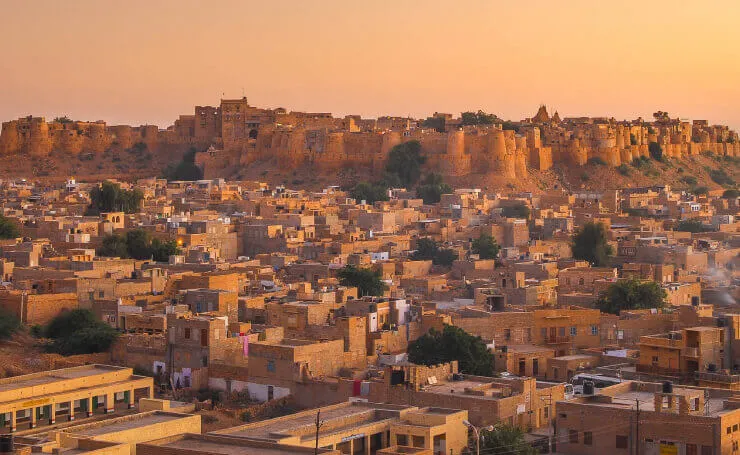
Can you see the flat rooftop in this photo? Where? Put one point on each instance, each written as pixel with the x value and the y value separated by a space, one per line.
pixel 628 400
pixel 52 376
pixel 217 445
pixel 125 423
pixel 278 429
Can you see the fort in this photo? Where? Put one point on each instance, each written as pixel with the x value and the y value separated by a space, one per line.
pixel 238 134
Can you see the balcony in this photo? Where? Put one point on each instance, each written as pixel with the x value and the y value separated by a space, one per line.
pixel 558 339
pixel 691 352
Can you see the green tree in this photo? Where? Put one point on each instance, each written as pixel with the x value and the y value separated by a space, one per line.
pixel 162 249
pixel 485 247
pixel 633 139
pixel 700 190
pixel 452 343
pixel 427 249
pixel 8 229
pixel 9 324
pixel 79 332
pixel 432 189
pixel 477 118
pixel 656 151
pixel 690 226
pixel 405 161
pixel 516 211
pixel 732 193
pixel 632 294
pixel 367 281
pixel 114 245
pixel 62 119
pixel 438 123
pixel 505 439
pixel 69 322
pixel 369 192
pixel 138 244
pixel 590 244
pixel 185 169
pixel 721 177
pixel 109 197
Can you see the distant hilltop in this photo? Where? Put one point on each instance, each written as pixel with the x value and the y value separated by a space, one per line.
pixel 474 143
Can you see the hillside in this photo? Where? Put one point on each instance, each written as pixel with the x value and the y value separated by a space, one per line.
pixel 130 165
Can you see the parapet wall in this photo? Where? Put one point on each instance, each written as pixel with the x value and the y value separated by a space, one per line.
pixel 318 140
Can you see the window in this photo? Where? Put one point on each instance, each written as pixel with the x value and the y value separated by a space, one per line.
pixel 101 294
pixel 271 366
pixel 729 430
pixel 707 450
pixel 402 440
pixel 561 331
pixel 528 334
pixel 546 412
pixel 621 442
pixel 573 436
pixel 734 427
pixel 507 334
pixel 573 331
pixel 418 441
pixel 588 438
pixel 655 359
pixel 187 333
pixel 543 332
pixel 594 330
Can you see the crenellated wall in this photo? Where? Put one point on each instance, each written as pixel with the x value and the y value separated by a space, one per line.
pixel 246 134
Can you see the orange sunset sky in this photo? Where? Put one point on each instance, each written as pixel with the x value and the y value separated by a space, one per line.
pixel 147 61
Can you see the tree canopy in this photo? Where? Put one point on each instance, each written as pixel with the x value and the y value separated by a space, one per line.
pixel 405 160
pixel 428 249
pixel 109 197
pixel 438 123
pixel 186 169
pixel 138 244
pixel 516 211
pixel 367 281
pixel 690 226
pixel 505 439
pixel 370 192
pixel 477 118
pixel 590 244
pixel 656 151
pixel 732 193
pixel 79 332
pixel 8 229
pixel 632 294
pixel 485 247
pixel 452 343
pixel 432 189
pixel 9 324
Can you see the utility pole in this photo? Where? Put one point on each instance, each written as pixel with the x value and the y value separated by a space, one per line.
pixel 637 428
pixel 318 425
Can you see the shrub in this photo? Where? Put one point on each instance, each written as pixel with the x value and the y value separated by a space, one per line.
pixel 689 180
pixel 79 332
pixel 623 169
pixel 721 177
pixel 596 161
pixel 9 324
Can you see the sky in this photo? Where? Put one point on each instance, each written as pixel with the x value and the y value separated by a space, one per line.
pixel 148 61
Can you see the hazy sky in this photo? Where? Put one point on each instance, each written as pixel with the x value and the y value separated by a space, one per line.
pixel 147 61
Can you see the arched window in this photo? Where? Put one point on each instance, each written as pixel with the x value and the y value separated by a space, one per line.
pixel 253 134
